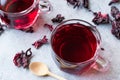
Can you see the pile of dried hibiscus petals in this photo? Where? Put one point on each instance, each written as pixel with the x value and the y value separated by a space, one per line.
pixel 102 18
pixel 105 19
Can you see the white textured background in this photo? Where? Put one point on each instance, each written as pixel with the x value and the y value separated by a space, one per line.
pixel 12 41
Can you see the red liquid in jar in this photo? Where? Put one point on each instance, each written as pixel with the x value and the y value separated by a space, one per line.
pixel 74 43
pixel 15 6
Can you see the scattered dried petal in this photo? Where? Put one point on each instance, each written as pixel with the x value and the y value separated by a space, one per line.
pixel 113 1
pixel 39 43
pixel 101 18
pixel 86 4
pixel 102 49
pixel 116 29
pixel 78 3
pixel 116 32
pixel 22 59
pixel 115 12
pixel 58 19
pixel 50 27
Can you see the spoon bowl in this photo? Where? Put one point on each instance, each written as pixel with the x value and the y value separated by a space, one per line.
pixel 41 69
pixel 38 68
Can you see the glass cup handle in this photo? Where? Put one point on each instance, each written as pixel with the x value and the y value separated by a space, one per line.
pixel 45 6
pixel 101 64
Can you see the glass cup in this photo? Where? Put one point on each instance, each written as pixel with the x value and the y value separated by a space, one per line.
pixel 22 14
pixel 76 47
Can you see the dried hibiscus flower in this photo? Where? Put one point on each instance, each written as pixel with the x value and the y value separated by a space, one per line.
pixel 115 13
pixel 50 27
pixel 113 1
pixel 116 23
pixel 58 19
pixel 116 28
pixel 78 3
pixel 101 18
pixel 23 58
pixel 37 44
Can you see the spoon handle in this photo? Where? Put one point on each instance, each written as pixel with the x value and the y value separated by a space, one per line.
pixel 56 76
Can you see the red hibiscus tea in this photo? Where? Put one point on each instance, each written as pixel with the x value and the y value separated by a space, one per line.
pixel 19 14
pixel 75 43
